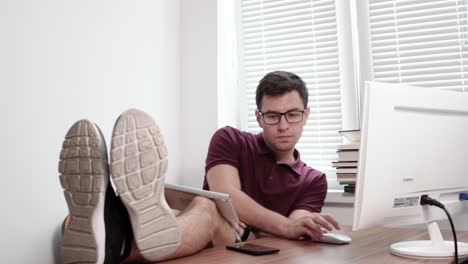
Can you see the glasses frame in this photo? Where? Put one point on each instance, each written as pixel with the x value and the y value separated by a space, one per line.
pixel 282 114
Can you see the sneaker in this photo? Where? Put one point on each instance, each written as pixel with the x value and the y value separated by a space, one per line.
pixel 138 168
pixel 96 231
pixel 84 178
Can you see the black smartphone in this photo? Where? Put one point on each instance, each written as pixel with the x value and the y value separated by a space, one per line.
pixel 252 249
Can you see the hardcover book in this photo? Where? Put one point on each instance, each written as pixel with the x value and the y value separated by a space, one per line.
pixel 349 146
pixel 344 164
pixel 351 135
pixel 346 176
pixel 346 170
pixel 348 155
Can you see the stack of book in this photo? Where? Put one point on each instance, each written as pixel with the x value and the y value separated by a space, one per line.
pixel 347 164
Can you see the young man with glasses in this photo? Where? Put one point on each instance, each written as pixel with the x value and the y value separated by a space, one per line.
pixel 273 191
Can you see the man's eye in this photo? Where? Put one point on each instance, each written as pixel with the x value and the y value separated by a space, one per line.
pixel 293 114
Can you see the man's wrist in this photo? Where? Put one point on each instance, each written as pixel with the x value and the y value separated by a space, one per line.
pixel 284 228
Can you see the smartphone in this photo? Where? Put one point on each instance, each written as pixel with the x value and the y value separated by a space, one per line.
pixel 252 249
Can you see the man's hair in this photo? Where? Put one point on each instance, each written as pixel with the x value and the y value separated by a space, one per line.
pixel 279 83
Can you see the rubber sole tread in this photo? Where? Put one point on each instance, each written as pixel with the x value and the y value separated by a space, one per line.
pixel 84 176
pixel 138 168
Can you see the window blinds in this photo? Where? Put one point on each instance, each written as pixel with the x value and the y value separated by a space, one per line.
pixel 419 42
pixel 301 37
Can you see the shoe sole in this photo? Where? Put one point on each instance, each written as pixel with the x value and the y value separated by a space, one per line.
pixel 84 176
pixel 138 168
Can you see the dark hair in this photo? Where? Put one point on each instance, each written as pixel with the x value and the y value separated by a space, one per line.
pixel 278 83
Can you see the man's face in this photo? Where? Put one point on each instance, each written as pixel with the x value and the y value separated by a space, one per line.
pixel 283 136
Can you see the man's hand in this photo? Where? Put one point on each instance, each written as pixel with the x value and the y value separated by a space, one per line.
pixel 306 224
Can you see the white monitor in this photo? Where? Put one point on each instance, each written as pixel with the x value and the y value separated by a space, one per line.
pixel 414 142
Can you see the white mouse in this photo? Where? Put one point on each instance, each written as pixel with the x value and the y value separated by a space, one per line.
pixel 335 238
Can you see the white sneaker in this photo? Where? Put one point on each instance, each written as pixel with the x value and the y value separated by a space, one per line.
pixel 84 177
pixel 138 168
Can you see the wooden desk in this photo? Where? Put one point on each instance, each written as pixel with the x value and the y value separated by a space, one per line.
pixel 368 246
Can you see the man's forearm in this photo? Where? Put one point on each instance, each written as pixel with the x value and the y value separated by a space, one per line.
pixel 257 216
pixel 225 178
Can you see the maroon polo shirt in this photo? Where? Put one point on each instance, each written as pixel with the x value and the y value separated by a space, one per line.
pixel 282 188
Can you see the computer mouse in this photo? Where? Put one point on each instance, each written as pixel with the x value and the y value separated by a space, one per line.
pixel 335 238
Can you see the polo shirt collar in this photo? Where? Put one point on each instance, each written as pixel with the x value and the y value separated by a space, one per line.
pixel 297 166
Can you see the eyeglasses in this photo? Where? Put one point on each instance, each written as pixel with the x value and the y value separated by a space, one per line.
pixel 273 118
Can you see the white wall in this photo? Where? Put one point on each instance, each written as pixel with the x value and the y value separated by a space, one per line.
pixel 199 113
pixel 65 60
pixel 209 89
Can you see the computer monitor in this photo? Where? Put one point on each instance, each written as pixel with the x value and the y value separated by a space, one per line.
pixel 414 142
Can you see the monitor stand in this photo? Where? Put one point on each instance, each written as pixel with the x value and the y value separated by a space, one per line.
pixel 436 248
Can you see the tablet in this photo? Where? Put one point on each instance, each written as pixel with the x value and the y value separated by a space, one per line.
pixel 179 196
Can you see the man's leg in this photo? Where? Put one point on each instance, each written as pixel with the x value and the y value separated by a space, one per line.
pixel 200 224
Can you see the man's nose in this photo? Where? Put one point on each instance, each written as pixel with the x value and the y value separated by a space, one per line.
pixel 283 123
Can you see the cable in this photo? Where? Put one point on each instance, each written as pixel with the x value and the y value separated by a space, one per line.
pixel 426 200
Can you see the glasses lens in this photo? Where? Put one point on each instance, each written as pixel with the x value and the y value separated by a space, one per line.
pixel 294 116
pixel 271 118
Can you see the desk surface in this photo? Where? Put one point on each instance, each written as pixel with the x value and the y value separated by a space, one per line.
pixel 368 246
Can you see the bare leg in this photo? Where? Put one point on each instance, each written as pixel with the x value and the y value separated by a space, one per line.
pixel 200 223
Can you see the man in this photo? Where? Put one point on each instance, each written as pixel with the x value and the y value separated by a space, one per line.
pixel 282 198
pixel 272 189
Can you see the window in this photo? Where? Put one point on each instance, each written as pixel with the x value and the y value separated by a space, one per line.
pixel 417 42
pixel 301 37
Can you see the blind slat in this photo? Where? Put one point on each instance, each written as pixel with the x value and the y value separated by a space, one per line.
pixel 420 43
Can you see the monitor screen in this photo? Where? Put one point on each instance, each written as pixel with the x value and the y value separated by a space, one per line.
pixel 414 142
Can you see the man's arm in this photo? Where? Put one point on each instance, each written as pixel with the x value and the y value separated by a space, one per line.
pixel 325 220
pixel 225 178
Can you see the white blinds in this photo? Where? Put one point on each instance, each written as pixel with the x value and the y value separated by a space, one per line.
pixel 419 42
pixel 298 36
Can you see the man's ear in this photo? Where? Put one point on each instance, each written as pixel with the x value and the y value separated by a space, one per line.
pixel 258 116
pixel 306 114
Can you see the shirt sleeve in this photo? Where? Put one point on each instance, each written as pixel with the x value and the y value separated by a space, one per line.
pixel 314 195
pixel 225 148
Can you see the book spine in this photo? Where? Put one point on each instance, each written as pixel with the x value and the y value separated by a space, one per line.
pixel 349 189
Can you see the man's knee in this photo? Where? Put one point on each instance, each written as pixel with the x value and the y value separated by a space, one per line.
pixel 205 204
pixel 206 209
